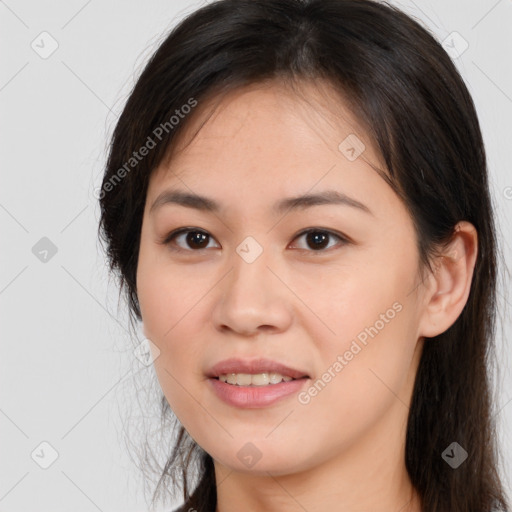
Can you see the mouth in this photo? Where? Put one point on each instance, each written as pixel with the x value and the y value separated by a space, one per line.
pixel 259 372
pixel 255 384
pixel 257 379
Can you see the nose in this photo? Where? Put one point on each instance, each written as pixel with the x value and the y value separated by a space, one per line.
pixel 252 299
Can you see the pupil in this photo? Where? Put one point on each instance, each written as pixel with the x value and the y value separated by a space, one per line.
pixel 315 237
pixel 197 238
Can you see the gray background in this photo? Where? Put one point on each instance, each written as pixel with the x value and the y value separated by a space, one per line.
pixel 67 359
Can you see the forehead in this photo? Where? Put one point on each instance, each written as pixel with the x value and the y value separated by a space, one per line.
pixel 266 138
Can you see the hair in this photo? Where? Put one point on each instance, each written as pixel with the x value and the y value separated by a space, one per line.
pixel 405 90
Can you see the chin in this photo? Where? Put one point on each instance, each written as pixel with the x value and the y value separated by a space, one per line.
pixel 252 460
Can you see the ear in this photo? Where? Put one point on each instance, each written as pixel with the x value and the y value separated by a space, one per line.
pixel 448 287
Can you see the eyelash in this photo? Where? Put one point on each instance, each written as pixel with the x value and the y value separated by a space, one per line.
pixel 171 236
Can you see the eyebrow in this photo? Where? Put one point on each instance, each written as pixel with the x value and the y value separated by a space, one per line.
pixel 202 203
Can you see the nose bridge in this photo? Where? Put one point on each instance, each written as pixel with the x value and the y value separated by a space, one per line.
pixel 252 296
pixel 250 273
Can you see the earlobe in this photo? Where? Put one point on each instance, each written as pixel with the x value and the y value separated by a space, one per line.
pixel 450 283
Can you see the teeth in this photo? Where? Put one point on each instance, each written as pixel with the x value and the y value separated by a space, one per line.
pixel 259 379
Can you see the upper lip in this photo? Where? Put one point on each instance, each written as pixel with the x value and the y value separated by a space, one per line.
pixel 235 365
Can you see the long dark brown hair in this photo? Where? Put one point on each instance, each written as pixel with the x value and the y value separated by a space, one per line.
pixel 406 91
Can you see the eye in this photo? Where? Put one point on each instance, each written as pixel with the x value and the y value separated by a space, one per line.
pixel 318 238
pixel 195 238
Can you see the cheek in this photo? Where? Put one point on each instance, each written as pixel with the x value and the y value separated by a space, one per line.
pixel 168 305
pixel 162 293
pixel 167 323
pixel 367 358
pixel 361 382
pixel 353 301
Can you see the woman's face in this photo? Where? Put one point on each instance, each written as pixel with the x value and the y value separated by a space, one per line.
pixel 340 305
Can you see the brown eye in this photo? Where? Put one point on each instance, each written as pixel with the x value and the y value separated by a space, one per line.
pixel 191 239
pixel 194 239
pixel 318 239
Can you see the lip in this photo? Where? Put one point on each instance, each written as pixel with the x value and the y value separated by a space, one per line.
pixel 261 365
pixel 252 397
pixel 255 397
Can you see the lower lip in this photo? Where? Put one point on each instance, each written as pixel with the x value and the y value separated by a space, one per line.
pixel 250 397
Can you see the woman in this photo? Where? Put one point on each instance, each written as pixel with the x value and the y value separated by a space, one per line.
pixel 296 200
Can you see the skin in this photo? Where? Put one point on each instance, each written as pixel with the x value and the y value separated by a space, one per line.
pixel 344 450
